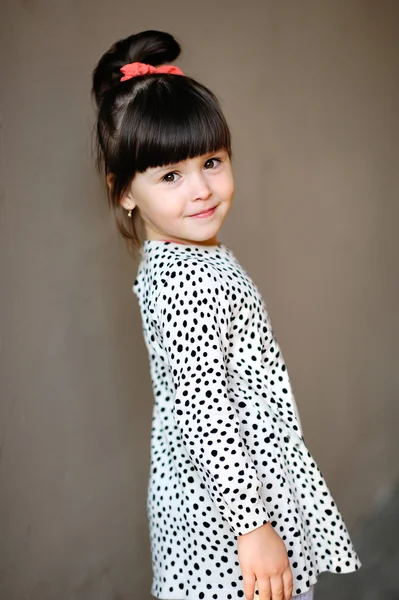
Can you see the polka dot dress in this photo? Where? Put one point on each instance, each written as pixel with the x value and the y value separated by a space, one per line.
pixel 227 452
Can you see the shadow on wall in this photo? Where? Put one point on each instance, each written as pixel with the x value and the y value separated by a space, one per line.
pixel 376 540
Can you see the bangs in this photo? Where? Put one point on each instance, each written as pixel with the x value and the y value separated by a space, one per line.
pixel 180 119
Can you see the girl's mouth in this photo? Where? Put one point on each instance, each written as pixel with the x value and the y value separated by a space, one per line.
pixel 205 214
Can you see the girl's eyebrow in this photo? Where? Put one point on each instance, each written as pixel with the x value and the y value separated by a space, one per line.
pixel 174 165
pixel 167 167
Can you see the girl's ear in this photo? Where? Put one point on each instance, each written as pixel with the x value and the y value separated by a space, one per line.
pixel 110 180
pixel 127 201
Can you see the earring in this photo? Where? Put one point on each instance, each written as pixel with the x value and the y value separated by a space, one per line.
pixel 129 214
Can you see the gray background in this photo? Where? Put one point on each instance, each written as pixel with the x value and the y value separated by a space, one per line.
pixel 311 91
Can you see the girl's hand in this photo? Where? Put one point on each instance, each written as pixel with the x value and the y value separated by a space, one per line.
pixel 263 557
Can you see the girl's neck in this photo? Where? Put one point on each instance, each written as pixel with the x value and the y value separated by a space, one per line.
pixel 216 243
pixel 173 241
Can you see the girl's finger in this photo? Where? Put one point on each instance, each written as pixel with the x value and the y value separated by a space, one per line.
pixel 249 586
pixel 264 588
pixel 277 588
pixel 288 584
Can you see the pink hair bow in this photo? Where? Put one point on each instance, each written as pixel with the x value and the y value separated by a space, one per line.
pixel 137 68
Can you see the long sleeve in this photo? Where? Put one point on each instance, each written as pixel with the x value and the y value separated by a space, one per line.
pixel 194 318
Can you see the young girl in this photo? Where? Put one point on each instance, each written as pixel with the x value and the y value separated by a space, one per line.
pixel 237 506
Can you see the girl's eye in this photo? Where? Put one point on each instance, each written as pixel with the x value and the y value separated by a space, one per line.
pixel 168 178
pixel 210 160
pixel 172 177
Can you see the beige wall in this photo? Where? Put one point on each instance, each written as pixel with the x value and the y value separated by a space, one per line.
pixel 311 90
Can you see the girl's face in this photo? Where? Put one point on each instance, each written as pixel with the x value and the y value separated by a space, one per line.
pixel 169 197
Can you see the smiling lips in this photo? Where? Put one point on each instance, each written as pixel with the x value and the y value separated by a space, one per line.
pixel 205 213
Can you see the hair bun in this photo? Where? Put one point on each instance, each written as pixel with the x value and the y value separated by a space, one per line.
pixel 151 47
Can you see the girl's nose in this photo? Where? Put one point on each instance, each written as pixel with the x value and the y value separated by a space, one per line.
pixel 201 190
